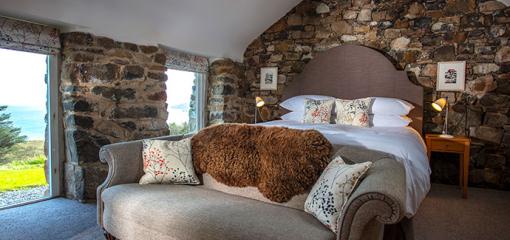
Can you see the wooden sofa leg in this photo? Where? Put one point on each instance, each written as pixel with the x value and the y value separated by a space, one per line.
pixel 108 236
pixel 400 231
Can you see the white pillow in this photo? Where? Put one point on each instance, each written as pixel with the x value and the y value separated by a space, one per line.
pixel 390 106
pixel 331 192
pixel 297 103
pixel 293 116
pixel 379 120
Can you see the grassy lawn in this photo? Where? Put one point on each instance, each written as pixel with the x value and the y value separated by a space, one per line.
pixel 21 178
pixel 24 167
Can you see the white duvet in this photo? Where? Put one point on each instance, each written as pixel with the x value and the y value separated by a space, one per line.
pixel 402 142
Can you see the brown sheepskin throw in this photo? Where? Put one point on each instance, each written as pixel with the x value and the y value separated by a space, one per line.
pixel 280 162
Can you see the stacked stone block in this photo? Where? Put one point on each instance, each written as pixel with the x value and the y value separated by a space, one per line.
pixel 111 92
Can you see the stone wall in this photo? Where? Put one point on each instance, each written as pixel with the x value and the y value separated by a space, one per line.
pixel 227 86
pixel 415 35
pixel 111 92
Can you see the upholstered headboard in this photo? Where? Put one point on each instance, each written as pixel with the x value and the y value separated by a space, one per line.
pixel 351 72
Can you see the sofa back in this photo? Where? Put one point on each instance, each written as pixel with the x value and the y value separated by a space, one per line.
pixel 297 202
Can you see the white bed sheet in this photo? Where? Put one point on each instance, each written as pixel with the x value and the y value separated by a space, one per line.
pixel 404 143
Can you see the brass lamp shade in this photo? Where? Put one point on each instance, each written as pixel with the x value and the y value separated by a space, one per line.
pixel 259 102
pixel 439 104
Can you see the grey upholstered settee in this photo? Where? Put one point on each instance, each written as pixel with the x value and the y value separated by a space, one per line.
pixel 127 210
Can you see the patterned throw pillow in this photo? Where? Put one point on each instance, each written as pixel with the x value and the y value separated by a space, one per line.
pixel 168 162
pixel 353 112
pixel 330 193
pixel 318 111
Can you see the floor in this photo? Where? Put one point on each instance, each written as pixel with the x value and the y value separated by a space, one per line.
pixel 485 215
pixel 52 220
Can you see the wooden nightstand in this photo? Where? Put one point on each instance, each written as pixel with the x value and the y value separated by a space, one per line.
pixel 457 144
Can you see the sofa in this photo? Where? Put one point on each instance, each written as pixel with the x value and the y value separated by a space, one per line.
pixel 128 210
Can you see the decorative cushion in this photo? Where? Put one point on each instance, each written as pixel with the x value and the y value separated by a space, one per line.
pixel 168 162
pixel 318 111
pixel 353 112
pixel 330 193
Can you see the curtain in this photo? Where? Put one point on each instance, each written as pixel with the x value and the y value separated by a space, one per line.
pixel 185 61
pixel 29 37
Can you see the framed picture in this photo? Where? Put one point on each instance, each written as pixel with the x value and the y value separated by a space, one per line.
pixel 451 76
pixel 269 78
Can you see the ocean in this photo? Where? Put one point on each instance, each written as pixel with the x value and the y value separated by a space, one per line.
pixel 29 119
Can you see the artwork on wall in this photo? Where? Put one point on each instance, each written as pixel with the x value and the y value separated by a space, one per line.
pixel 269 78
pixel 451 76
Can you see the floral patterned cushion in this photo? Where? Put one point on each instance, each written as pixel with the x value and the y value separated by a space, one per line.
pixel 353 112
pixel 168 162
pixel 318 111
pixel 331 192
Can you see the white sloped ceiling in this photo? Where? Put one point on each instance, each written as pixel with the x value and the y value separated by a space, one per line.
pixel 215 28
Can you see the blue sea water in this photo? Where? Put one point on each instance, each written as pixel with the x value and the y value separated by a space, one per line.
pixel 29 119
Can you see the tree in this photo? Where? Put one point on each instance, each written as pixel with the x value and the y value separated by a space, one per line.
pixel 179 129
pixel 9 134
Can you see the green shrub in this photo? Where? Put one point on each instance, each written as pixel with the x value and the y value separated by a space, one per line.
pixel 37 160
pixel 25 151
pixel 180 129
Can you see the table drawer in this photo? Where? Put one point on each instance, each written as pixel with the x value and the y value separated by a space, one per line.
pixel 445 145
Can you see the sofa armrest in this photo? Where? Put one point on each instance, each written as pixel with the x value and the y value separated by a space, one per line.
pixel 125 165
pixel 379 199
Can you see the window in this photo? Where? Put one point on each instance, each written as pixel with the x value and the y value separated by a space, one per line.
pixel 185 101
pixel 28 172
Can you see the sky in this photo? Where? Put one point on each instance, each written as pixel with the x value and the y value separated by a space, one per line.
pixel 23 90
pixel 179 88
pixel 22 79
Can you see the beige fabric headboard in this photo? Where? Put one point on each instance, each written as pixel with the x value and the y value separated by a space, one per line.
pixel 352 71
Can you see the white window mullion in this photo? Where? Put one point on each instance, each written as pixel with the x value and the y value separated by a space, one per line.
pixel 55 131
pixel 202 99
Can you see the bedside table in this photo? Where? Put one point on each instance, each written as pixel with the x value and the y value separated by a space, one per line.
pixel 457 144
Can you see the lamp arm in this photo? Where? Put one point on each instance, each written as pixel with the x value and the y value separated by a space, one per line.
pixel 445 128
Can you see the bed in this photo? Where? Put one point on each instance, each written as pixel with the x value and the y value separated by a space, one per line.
pixel 404 143
pixel 351 72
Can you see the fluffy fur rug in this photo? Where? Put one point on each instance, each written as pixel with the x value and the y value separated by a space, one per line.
pixel 280 162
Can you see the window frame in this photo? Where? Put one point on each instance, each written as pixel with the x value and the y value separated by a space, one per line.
pixel 202 100
pixel 55 134
pixel 55 127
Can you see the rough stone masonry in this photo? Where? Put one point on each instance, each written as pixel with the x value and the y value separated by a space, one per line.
pixel 226 84
pixel 415 35
pixel 111 92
